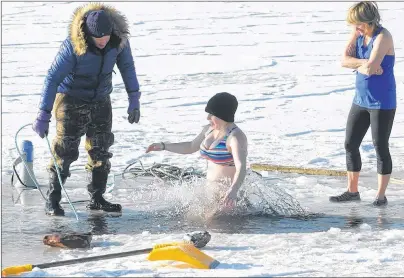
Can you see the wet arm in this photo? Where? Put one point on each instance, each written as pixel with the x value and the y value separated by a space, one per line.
pixel 187 147
pixel 239 150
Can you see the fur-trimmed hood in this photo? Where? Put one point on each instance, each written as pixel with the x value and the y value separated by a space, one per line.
pixel 120 27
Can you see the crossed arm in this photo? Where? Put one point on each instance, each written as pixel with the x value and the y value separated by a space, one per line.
pixel 381 46
pixel 349 59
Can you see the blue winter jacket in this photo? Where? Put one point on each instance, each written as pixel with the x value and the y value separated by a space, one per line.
pixel 83 71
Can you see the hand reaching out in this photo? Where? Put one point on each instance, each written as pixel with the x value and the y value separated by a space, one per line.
pixel 155 147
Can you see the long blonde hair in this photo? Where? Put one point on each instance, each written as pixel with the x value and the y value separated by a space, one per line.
pixel 364 12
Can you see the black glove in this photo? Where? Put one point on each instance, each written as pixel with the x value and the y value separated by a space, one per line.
pixel 134 107
pixel 134 116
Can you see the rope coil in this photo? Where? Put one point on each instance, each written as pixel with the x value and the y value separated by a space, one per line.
pixel 163 172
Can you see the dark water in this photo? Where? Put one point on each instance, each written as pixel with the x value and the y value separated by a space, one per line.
pixel 23 227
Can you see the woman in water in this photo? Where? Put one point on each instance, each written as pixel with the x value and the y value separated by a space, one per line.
pixel 370 51
pixel 221 143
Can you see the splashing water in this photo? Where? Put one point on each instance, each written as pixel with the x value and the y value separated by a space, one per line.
pixel 197 199
pixel 258 197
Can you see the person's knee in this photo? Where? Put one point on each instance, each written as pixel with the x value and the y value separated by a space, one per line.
pixel 99 166
pixel 353 160
pixel 67 148
pixel 54 177
pixel 98 147
pixel 382 148
pixel 99 157
pixel 65 151
pixel 100 140
pixel 351 147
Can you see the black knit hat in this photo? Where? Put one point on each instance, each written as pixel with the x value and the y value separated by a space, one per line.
pixel 223 106
pixel 98 24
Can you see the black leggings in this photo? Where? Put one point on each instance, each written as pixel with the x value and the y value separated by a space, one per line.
pixel 381 122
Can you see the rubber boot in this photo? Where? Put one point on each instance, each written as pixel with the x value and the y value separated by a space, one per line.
pixel 96 188
pixel 54 194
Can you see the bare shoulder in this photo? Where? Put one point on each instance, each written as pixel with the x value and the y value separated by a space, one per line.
pixel 386 33
pixel 385 41
pixel 239 135
pixel 385 36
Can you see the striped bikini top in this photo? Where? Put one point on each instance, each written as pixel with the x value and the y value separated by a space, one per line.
pixel 219 154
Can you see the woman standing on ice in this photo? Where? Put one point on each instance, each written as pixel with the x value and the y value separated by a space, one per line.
pixel 221 143
pixel 370 51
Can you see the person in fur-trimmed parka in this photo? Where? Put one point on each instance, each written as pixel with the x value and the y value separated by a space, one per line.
pixel 77 89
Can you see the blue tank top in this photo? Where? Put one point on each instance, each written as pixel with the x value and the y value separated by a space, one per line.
pixel 375 91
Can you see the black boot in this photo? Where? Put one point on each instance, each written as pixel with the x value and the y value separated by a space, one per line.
pixel 99 203
pixel 53 208
pixel 54 194
pixel 96 188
